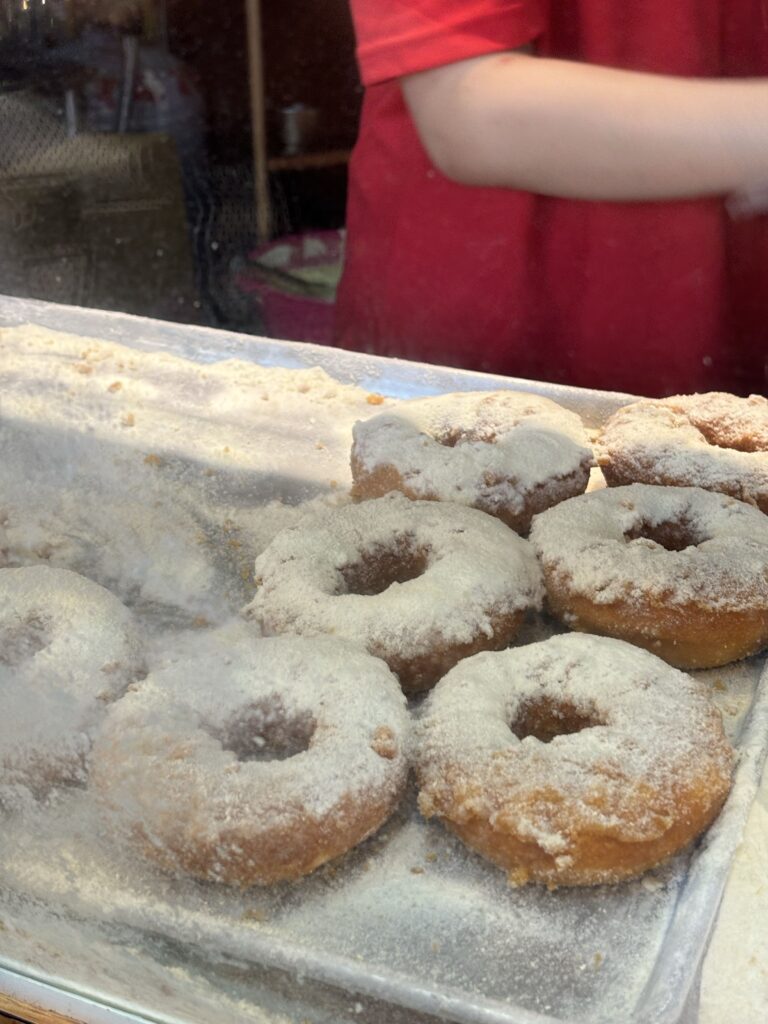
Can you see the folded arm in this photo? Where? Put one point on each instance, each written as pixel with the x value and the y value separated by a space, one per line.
pixel 586 132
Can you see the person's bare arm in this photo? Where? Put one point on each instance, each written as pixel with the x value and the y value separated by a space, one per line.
pixel 586 132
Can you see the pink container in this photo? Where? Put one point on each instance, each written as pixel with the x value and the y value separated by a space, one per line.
pixel 273 276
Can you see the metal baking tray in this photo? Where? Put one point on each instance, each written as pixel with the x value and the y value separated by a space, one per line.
pixel 411 920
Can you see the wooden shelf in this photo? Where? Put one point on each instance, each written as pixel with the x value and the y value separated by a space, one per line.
pixel 258 126
pixel 266 162
pixel 309 161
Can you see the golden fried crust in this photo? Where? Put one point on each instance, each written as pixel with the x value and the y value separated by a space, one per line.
pixel 420 673
pixel 687 636
pixel 622 471
pixel 594 856
pixel 280 854
pixel 385 478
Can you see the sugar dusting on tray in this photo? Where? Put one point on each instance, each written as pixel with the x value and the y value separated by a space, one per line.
pixel 163 479
pixel 155 476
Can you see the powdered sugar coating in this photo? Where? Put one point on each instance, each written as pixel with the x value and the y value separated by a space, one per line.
pixel 586 541
pixel 67 648
pixel 506 452
pixel 476 569
pixel 716 440
pixel 178 761
pixel 655 735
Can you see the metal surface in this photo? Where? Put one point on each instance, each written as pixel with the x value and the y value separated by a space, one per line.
pixel 413 919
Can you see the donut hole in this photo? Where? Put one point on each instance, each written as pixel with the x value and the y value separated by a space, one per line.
pixel 266 731
pixel 21 641
pixel 673 535
pixel 545 718
pixel 381 566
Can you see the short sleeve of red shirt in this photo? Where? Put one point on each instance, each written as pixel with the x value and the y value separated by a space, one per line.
pixel 401 37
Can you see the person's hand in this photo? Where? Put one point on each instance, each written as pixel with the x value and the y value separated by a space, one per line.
pixel 749 202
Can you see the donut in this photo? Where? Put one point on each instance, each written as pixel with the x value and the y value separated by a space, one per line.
pixel 419 584
pixel 575 761
pixel 507 453
pixel 715 440
pixel 67 647
pixel 678 570
pixel 255 763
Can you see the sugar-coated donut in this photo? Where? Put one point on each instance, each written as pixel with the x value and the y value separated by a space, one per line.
pixel 715 440
pixel 67 647
pixel 576 761
pixel 508 453
pixel 679 570
pixel 255 763
pixel 420 584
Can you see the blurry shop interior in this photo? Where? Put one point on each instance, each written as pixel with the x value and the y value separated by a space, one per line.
pixel 178 159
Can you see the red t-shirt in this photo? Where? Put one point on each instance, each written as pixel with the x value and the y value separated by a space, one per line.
pixel 653 298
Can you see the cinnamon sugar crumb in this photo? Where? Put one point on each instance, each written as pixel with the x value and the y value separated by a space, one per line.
pixel 254 914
